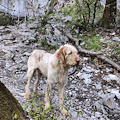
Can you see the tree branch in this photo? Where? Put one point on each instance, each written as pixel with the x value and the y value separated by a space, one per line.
pixel 96 54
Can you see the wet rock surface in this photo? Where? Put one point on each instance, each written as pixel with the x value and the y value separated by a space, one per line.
pixel 92 91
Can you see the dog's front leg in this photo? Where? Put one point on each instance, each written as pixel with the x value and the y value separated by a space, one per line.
pixel 61 88
pixel 29 75
pixel 47 95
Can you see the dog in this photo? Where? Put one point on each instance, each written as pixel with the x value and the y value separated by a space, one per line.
pixel 55 68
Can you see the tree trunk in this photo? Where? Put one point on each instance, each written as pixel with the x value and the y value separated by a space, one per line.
pixel 10 108
pixel 108 19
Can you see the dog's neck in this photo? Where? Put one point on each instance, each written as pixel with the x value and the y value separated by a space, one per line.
pixel 63 65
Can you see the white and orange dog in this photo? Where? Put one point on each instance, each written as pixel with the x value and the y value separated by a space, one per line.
pixel 55 68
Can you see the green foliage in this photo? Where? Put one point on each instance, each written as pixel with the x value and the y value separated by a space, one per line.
pixel 36 37
pixel 79 113
pixel 16 117
pixel 6 20
pixel 64 108
pixel 41 30
pixel 38 112
pixel 45 44
pixel 83 14
pixel 118 51
pixel 70 116
pixel 92 43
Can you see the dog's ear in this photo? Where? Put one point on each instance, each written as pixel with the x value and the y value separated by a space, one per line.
pixel 61 54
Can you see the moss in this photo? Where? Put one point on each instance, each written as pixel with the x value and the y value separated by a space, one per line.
pixel 92 43
pixel 9 106
pixel 6 20
pixel 118 51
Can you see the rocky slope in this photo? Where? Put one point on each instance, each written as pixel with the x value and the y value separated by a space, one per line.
pixel 92 91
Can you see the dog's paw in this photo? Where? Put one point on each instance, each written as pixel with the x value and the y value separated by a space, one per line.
pixel 64 112
pixel 47 105
pixel 27 96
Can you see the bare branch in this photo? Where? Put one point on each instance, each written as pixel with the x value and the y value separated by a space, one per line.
pixel 95 54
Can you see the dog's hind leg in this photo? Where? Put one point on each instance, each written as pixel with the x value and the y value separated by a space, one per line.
pixel 29 75
pixel 36 82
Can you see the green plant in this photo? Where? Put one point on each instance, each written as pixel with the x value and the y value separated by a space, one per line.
pixel 36 37
pixel 51 47
pixel 43 42
pixel 70 116
pixel 6 20
pixel 83 14
pixel 41 30
pixel 92 43
pixel 37 112
pixel 118 51
pixel 16 117
pixel 79 113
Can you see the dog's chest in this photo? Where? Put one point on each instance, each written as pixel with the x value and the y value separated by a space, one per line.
pixel 57 75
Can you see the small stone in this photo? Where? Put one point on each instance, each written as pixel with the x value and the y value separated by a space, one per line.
pixel 116 92
pixel 82 43
pixel 85 59
pixel 102 39
pixel 112 33
pixel 87 81
pixel 110 77
pixel 97 114
pixel 26 53
pixel 116 39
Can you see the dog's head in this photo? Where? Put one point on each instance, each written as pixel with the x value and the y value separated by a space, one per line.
pixel 67 55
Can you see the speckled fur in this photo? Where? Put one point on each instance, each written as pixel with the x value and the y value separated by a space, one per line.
pixel 55 68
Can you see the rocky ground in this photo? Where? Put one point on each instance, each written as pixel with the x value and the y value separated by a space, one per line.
pixel 92 92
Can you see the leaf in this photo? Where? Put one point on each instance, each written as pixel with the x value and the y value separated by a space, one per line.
pixel 15 116
pixel 52 105
pixel 70 116
pixel 64 108
pixel 80 112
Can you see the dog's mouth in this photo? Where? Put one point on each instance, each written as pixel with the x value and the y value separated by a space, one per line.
pixel 75 64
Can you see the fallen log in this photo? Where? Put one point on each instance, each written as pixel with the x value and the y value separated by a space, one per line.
pixel 95 54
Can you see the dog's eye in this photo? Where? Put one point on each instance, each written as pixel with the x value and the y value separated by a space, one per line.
pixel 70 53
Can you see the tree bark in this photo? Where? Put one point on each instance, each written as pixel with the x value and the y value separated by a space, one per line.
pixel 108 19
pixel 10 108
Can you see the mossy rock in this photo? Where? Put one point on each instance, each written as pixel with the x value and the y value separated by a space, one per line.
pixel 10 108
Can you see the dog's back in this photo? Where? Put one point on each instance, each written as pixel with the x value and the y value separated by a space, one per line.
pixel 39 59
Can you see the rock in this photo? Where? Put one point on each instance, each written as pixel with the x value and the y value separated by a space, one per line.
pixel 98 86
pixel 116 39
pixel 87 81
pixel 110 77
pixel 82 43
pixel 71 69
pixel 102 40
pixel 112 33
pixel 116 92
pixel 26 53
pixel 97 114
pixel 85 58
pixel 67 19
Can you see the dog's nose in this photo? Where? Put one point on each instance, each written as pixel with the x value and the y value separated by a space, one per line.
pixel 78 59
